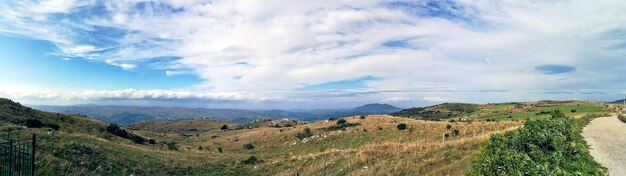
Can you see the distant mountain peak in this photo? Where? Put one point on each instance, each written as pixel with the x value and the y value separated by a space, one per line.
pixel 377 107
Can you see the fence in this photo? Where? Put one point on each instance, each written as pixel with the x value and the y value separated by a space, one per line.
pixel 17 157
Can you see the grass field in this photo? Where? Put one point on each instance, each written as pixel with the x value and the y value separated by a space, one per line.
pixel 373 145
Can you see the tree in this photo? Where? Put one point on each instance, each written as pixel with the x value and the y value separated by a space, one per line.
pixel 224 127
pixel 33 123
pixel 401 126
pixel 137 139
pixel 341 121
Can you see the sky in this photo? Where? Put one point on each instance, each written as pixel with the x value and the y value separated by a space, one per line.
pixel 303 54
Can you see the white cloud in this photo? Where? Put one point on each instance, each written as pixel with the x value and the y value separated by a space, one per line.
pixel 274 47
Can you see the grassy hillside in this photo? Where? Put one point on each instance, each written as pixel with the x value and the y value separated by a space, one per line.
pixel 441 111
pixel 367 145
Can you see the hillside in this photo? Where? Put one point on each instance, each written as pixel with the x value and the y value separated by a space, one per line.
pixel 441 111
pixel 134 114
pixel 368 145
pixel 184 127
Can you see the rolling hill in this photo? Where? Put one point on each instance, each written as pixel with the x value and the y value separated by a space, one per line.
pixel 133 114
pixel 355 145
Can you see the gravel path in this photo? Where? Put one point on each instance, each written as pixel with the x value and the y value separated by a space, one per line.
pixel 607 138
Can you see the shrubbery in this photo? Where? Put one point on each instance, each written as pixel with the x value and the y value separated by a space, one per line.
pixel 401 126
pixel 341 121
pixel 116 130
pixel 250 160
pixel 248 146
pixel 542 147
pixel 304 134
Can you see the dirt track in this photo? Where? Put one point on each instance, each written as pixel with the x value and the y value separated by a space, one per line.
pixel 607 138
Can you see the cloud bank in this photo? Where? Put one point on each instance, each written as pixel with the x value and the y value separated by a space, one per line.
pixel 420 50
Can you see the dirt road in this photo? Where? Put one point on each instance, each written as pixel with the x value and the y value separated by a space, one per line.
pixel 607 138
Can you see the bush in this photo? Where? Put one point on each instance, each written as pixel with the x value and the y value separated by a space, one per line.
pixel 53 126
pixel 401 126
pixel 362 117
pixel 573 111
pixel 224 127
pixel 557 114
pixel 341 121
pixel 33 123
pixel 542 147
pixel 448 126
pixel 137 139
pixel 250 160
pixel 116 130
pixel 248 146
pixel 151 141
pixel 304 134
pixel 455 132
pixel 220 150
pixel 172 145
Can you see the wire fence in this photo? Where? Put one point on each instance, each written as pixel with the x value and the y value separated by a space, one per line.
pixel 17 156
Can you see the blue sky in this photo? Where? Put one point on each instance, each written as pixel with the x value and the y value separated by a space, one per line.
pixel 309 54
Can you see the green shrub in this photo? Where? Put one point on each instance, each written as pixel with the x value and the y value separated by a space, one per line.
pixel 33 123
pixel 542 147
pixel 224 127
pixel 137 139
pixel 151 141
pixel 573 111
pixel 448 126
pixel 362 117
pixel 341 121
pixel 250 160
pixel 220 150
pixel 304 134
pixel 401 126
pixel 171 145
pixel 248 146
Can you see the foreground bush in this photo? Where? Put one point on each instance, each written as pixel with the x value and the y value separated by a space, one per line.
pixel 542 147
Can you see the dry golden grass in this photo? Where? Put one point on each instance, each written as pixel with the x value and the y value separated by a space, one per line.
pixel 360 150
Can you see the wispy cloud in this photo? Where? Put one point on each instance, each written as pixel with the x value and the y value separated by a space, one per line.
pixel 275 48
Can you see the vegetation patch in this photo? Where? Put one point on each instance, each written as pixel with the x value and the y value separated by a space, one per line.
pixel 551 146
pixel 340 126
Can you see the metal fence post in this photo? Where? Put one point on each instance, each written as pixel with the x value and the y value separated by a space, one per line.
pixel 10 156
pixel 32 159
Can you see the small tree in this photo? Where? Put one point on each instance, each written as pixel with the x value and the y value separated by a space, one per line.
pixel 224 127
pixel 219 149
pixel 33 123
pixel 341 121
pixel 362 117
pixel 401 126
pixel 137 139
pixel 151 141
pixel 573 111
pixel 448 126
pixel 248 146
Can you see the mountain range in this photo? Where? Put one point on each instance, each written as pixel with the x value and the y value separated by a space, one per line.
pixel 134 114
